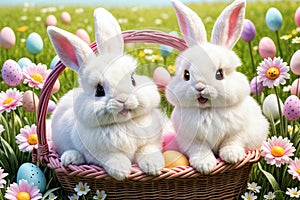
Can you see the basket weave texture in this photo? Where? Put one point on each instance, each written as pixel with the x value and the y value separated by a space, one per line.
pixel 226 181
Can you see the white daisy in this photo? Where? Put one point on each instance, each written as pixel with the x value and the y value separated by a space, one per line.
pixel 82 189
pixel 270 195
pixel 294 192
pixel 249 196
pixel 254 187
pixel 100 195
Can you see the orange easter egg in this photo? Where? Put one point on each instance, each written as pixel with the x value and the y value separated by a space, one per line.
pixel 175 159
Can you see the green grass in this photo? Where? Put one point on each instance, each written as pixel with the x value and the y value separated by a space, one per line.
pixel 11 16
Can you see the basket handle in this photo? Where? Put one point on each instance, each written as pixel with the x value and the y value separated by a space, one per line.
pixel 133 36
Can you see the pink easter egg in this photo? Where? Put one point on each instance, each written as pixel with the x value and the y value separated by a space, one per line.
pixel 295 63
pixel 51 20
pixel 297 17
pixel 12 73
pixel 169 142
pixel 291 108
pixel 161 78
pixel 27 101
pixel 267 48
pixel 55 87
pixel 65 17
pixel 295 87
pixel 51 106
pixel 7 38
pixel 82 34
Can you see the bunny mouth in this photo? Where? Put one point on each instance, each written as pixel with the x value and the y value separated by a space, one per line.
pixel 202 100
pixel 125 112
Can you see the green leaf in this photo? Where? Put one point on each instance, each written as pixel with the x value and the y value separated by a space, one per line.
pixel 50 191
pixel 10 154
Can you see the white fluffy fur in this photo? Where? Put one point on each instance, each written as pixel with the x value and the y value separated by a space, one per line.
pixel 231 121
pixel 95 130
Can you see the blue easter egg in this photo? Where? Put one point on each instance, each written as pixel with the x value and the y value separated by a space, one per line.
pixel 34 43
pixel 11 73
pixel 32 174
pixel 165 50
pixel 24 62
pixel 274 19
pixel 54 62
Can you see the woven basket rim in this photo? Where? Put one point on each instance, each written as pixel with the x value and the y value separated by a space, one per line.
pixel 50 158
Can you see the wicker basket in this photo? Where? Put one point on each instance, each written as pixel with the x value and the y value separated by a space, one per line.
pixel 226 181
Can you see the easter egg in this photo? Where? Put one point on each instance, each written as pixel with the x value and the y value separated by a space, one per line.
pixel 291 108
pixel 34 43
pixel 65 17
pixel 256 86
pixel 295 63
pixel 270 106
pixel 12 73
pixel 249 31
pixel 267 48
pixel 7 38
pixel 169 142
pixel 51 106
pixel 51 20
pixel 32 174
pixel 297 17
pixel 82 34
pixel 24 62
pixel 55 87
pixel 174 159
pixel 54 62
pixel 161 77
pixel 296 86
pixel 27 101
pixel 274 19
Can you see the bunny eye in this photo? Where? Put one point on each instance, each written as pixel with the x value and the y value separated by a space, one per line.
pixel 186 75
pixel 133 80
pixel 99 91
pixel 219 74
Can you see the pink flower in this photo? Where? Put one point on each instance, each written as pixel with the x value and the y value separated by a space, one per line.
pixel 23 190
pixel 10 100
pixel 273 72
pixel 277 151
pixel 27 139
pixel 2 176
pixel 294 168
pixel 36 75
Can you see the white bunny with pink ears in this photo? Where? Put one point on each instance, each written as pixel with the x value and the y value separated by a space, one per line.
pixel 214 113
pixel 112 119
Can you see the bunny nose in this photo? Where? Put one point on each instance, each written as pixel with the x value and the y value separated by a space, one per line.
pixel 200 89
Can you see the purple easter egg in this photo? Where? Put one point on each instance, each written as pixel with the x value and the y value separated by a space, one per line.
pixel 82 34
pixel 267 48
pixel 51 20
pixel 256 86
pixel 65 17
pixel 12 73
pixel 7 38
pixel 296 87
pixel 51 106
pixel 295 63
pixel 297 17
pixel 249 31
pixel 291 108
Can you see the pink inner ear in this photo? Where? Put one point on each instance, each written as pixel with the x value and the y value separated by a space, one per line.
pixel 66 49
pixel 182 22
pixel 233 19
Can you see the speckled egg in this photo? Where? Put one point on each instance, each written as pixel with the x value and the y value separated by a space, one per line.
pixel 24 62
pixel 174 159
pixel 270 106
pixel 54 62
pixel 65 17
pixel 82 34
pixel 161 77
pixel 51 20
pixel 55 87
pixel 295 63
pixel 28 101
pixel 32 174
pixel 291 108
pixel 51 106
pixel 7 38
pixel 34 43
pixel 295 86
pixel 267 48
pixel 12 73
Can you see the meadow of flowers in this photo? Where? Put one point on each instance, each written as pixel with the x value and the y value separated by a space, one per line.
pixel 268 49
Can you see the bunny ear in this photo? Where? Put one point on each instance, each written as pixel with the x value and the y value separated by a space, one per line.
pixel 108 32
pixel 228 27
pixel 190 24
pixel 72 51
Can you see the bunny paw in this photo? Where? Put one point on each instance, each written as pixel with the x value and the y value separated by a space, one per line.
pixel 118 169
pixel 151 164
pixel 72 157
pixel 203 164
pixel 232 154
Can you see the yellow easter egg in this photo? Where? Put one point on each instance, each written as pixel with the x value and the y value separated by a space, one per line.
pixel 174 159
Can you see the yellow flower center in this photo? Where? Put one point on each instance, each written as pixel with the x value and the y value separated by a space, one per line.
pixel 157 57
pixel 277 151
pixel 82 189
pixel 142 54
pixel 273 73
pixel 295 193
pixel 23 196
pixel 8 100
pixel 298 170
pixel 32 139
pixel 37 77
